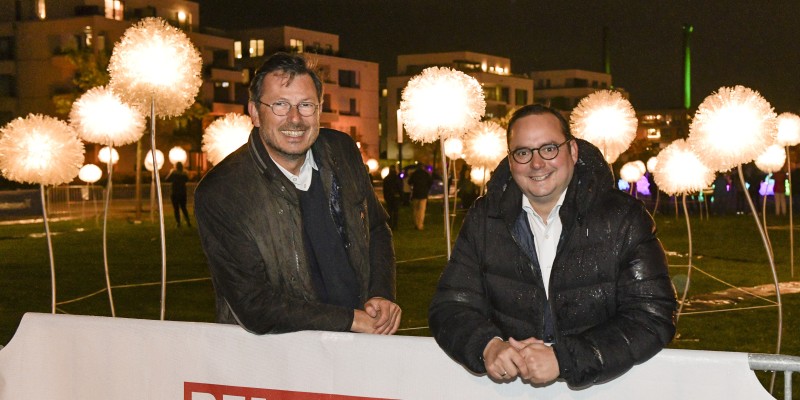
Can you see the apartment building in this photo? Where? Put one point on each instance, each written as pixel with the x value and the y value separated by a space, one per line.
pixel 503 91
pixel 350 98
pixel 563 89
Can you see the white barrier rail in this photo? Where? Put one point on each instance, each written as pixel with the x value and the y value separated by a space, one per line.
pixel 82 357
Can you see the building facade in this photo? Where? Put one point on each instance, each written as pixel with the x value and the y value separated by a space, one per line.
pixel 502 90
pixel 563 89
pixel 350 96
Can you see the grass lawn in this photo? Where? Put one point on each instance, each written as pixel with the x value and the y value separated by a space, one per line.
pixel 729 248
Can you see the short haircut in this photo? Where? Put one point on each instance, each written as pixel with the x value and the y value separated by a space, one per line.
pixel 285 63
pixel 538 109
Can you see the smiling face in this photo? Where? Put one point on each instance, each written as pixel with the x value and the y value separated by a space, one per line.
pixel 289 137
pixel 542 181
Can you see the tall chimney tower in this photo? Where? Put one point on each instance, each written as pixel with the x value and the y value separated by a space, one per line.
pixel 687 66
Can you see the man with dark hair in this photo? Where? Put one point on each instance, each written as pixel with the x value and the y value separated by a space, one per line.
pixel 294 235
pixel 555 275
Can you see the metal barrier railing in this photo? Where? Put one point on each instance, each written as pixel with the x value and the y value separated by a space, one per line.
pixel 776 362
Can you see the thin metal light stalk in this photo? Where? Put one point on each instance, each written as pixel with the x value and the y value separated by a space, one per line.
pixel 160 207
pixel 771 263
pixel 791 206
pixel 455 196
pixel 49 250
pixel 446 198
pixel 110 169
pixel 689 270
pixel 764 221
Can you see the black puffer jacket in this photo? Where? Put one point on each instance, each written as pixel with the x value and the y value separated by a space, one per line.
pixel 248 214
pixel 611 299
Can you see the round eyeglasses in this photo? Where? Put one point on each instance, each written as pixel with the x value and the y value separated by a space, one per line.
pixel 281 108
pixel 547 152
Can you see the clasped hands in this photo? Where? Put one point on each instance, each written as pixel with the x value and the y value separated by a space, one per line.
pixel 380 316
pixel 530 359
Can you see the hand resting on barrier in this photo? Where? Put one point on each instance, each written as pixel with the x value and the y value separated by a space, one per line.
pixel 380 316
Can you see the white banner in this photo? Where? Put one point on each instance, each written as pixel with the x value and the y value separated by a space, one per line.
pixel 81 357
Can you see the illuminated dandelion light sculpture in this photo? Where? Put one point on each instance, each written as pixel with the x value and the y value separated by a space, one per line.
pixel 454 149
pixel 680 172
pixel 148 165
pixel 177 155
pixel 156 64
pixel 770 161
pixel 225 135
pixel 479 176
pixel 438 104
pixel 607 120
pixel 652 164
pixel 44 150
pixel 631 173
pixel 485 146
pixel 100 116
pixel 789 135
pixel 89 174
pixel 732 127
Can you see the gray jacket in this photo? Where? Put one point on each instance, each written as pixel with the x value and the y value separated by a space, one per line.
pixel 248 214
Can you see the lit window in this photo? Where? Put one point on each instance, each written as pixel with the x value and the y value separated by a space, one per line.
pixel 256 47
pixel 483 66
pixel 181 17
pixel 114 9
pixel 237 49
pixel 41 12
pixel 225 84
pixel 296 45
pixel 654 133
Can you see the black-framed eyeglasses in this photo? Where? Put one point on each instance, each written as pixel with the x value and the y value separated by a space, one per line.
pixel 547 152
pixel 281 108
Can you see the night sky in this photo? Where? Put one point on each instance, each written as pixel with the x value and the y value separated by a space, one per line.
pixel 755 43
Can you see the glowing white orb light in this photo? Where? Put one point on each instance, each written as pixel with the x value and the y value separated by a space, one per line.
pixel 90 173
pixel 453 148
pixel 630 172
pixel 485 145
pixel 732 127
pixel 156 61
pixel 788 129
pixel 100 116
pixel 107 154
pixel 177 155
pixel 441 103
pixel 681 171
pixel 40 149
pixel 652 164
pixel 607 120
pixel 384 172
pixel 148 160
pixel 225 135
pixel 372 165
pixel 479 176
pixel 772 159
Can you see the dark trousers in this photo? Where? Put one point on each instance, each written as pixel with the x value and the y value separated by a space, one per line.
pixel 178 205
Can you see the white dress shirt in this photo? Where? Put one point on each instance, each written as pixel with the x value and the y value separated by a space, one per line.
pixel 303 180
pixel 545 236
